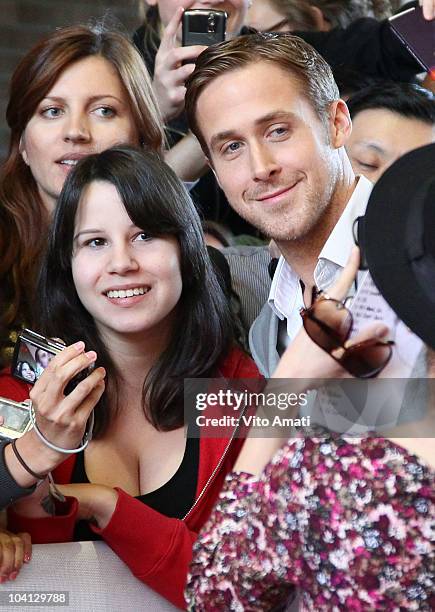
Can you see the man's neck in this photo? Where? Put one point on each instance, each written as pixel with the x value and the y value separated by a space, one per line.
pixel 302 255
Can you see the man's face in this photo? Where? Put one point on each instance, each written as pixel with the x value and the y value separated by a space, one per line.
pixel 380 136
pixel 272 155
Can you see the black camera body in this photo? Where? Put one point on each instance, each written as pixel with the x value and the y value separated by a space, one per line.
pixel 32 355
pixel 203 27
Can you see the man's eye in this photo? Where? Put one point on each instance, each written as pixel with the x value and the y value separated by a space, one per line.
pixel 278 131
pixel 232 147
pixel 52 112
pixel 369 167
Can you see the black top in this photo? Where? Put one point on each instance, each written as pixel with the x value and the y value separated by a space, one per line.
pixel 10 491
pixel 173 499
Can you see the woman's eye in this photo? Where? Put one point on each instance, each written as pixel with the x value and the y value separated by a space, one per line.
pixel 95 242
pixel 142 237
pixel 105 112
pixel 51 113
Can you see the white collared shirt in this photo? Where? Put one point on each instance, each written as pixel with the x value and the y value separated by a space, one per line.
pixel 285 296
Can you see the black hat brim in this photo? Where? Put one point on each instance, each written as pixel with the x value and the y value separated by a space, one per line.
pixel 385 227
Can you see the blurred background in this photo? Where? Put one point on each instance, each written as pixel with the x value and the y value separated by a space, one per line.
pixel 23 22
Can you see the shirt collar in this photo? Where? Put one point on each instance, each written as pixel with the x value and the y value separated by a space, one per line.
pixel 285 292
pixel 340 242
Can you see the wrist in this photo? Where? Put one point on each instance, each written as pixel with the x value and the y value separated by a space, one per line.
pixel 103 506
pixel 40 458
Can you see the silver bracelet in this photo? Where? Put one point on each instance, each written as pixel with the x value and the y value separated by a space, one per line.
pixel 67 451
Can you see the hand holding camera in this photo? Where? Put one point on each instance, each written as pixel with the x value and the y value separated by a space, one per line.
pixel 170 73
pixel 62 418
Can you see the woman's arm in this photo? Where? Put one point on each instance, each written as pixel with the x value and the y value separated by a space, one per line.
pixel 157 549
pixel 187 159
pixel 61 419
pixel 319 519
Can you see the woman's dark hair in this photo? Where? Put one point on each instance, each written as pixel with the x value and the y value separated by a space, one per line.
pixel 157 202
pixel 20 366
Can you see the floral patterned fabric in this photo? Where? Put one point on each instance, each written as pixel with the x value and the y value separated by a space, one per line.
pixel 351 523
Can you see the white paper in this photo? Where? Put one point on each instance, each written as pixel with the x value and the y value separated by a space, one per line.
pixel 371 406
pixel 368 306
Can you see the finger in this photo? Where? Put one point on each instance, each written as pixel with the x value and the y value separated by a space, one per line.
pixel 340 288
pixel 170 33
pixel 375 331
pixel 27 546
pixel 19 553
pixel 57 376
pixel 183 72
pixel 72 405
pixel 89 403
pixel 8 557
pixel 59 341
pixel 428 9
pixel 64 356
pixel 183 54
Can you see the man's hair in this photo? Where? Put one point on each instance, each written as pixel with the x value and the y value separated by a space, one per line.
pixel 405 99
pixel 289 52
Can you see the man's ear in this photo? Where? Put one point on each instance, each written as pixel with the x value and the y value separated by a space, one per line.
pixel 340 123
pixel 22 150
pixel 210 165
pixel 321 24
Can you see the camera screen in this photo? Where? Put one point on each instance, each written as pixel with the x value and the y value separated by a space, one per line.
pixel 31 360
pixel 14 418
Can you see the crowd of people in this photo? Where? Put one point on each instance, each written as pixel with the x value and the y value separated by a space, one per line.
pixel 121 154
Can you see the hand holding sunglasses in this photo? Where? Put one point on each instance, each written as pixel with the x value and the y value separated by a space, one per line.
pixel 328 322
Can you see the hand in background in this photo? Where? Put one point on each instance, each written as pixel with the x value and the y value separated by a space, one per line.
pixel 428 7
pixel 169 72
pixel 15 549
pixel 304 359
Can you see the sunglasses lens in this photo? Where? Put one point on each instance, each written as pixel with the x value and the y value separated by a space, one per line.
pixel 367 359
pixel 328 323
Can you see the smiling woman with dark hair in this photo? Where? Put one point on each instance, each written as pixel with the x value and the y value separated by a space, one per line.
pixel 131 280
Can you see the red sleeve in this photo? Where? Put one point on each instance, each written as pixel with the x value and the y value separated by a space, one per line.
pixel 238 364
pixel 11 388
pixel 58 528
pixel 157 549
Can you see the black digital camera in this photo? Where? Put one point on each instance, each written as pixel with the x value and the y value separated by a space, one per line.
pixel 32 355
pixel 203 27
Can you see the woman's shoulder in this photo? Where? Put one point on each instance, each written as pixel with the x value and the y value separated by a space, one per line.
pixel 237 364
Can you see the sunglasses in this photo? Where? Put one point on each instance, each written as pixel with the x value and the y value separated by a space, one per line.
pixel 329 322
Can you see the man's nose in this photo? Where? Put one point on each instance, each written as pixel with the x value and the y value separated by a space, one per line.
pixel 263 163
